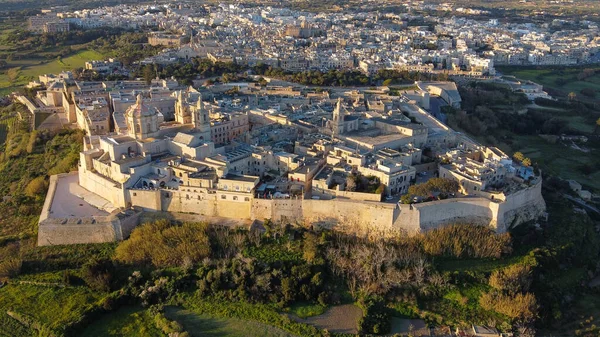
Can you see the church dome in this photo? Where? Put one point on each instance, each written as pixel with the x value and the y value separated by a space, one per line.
pixel 140 109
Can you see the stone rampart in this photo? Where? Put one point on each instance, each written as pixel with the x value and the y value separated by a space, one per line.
pixel 97 229
pixel 339 213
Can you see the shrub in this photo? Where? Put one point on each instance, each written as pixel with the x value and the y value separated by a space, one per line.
pixel 522 307
pixel 10 268
pixel 98 274
pixel 466 241
pixel 512 280
pixel 441 185
pixel 162 244
pixel 376 318
pixel 36 187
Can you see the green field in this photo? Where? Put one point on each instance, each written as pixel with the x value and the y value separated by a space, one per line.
pixel 207 326
pixel 31 69
pixel 559 160
pixel 125 322
pixel 52 307
pixel 564 79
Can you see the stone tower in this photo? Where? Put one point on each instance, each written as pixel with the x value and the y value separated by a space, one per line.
pixel 182 111
pixel 338 118
pixel 201 119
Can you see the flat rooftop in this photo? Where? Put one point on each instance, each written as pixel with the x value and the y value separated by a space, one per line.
pixel 240 178
pixel 70 200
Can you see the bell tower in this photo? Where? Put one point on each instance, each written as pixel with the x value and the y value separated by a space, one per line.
pixel 201 119
pixel 338 118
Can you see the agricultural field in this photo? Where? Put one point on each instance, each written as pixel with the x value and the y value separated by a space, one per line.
pixel 31 69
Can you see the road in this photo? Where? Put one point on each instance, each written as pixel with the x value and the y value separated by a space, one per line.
pixel 582 203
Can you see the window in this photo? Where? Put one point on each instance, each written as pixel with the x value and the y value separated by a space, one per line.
pixel 235 198
pixel 134 194
pixel 223 196
pixel 246 199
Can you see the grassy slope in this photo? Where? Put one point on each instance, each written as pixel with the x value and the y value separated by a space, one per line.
pixel 207 326
pixel 559 160
pixel 52 307
pixel 125 322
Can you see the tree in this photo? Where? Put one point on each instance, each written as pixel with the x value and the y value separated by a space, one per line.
pixel 588 92
pixel 387 82
pixel 148 73
pixel 526 162
pixel 518 156
pixel 288 289
pixel 597 125
pixel 310 247
pixel 351 183
pixel 572 96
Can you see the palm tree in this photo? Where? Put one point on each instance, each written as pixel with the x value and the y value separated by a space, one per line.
pixel 572 96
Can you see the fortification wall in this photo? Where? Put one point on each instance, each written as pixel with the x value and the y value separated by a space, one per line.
pixel 522 206
pixel 149 200
pixel 239 209
pixel 287 210
pixel 350 214
pixel 343 214
pixel 126 223
pixel 358 195
pixel 188 201
pixel 261 209
pixel 468 210
pixel 74 231
pixel 98 229
pixel 107 189
pixel 408 220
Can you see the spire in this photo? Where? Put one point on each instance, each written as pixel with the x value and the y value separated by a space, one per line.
pixel 138 99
